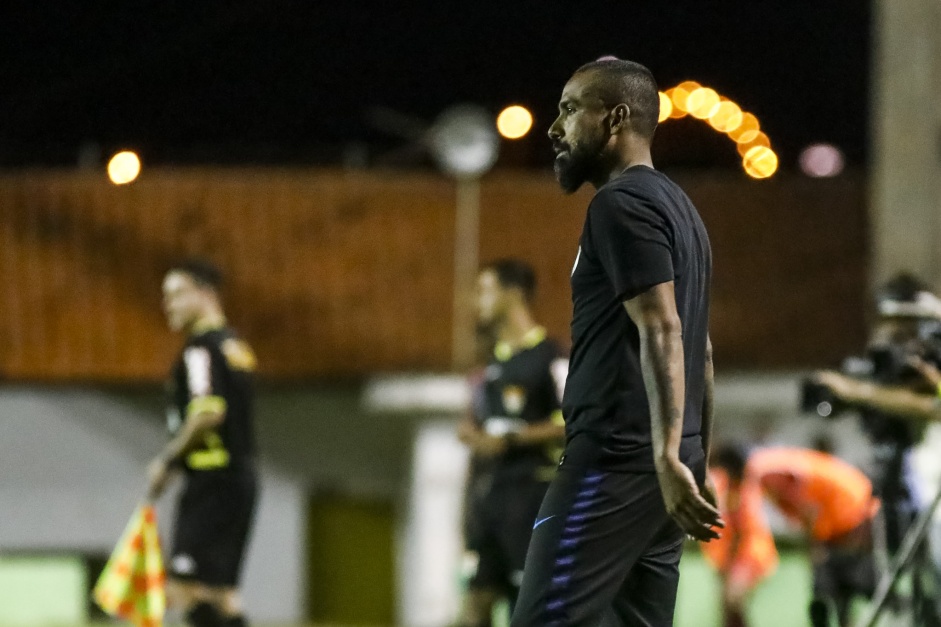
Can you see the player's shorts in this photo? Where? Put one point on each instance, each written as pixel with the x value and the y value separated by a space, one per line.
pixel 499 524
pixel 844 574
pixel 213 522
pixel 603 549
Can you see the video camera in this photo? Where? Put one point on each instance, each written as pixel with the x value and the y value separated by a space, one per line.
pixel 888 365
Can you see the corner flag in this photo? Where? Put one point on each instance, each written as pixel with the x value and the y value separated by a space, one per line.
pixel 131 586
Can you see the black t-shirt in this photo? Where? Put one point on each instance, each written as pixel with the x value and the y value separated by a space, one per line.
pixel 215 371
pixel 641 230
pixel 520 388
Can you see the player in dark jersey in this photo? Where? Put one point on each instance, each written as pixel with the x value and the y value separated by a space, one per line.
pixel 637 399
pixel 514 432
pixel 212 442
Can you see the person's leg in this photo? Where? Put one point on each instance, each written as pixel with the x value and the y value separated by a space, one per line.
pixel 648 595
pixel 194 601
pixel 858 579
pixel 477 608
pixel 186 591
pixel 488 577
pixel 826 584
pixel 591 529
pixel 733 617
pixel 521 509
pixel 483 589
pixel 737 586
pixel 227 528
pixel 228 604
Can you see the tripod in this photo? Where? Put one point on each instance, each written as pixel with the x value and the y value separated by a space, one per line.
pixel 902 562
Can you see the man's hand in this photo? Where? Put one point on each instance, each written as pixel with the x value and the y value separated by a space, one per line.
pixel 467 432
pixel 685 504
pixel 926 369
pixel 709 491
pixel 158 476
pixel 487 445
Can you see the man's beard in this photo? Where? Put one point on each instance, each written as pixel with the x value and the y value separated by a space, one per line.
pixel 577 165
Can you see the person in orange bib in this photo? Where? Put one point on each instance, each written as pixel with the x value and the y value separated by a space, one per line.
pixel 745 554
pixel 831 500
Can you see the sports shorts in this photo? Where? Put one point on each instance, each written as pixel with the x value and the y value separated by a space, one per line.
pixel 604 551
pixel 213 522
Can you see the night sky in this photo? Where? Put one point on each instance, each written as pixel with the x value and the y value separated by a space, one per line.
pixel 294 81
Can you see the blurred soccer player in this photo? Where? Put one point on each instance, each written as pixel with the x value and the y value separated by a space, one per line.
pixel 831 500
pixel 514 433
pixel 745 554
pixel 638 395
pixel 210 421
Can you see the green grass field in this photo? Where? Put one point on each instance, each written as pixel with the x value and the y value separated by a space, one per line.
pixel 780 601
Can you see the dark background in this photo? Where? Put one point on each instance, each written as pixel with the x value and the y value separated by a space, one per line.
pixel 294 81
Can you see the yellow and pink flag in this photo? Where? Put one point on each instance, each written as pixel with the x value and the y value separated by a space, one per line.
pixel 131 586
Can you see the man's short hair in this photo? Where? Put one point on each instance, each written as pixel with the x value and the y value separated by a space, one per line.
pixel 204 273
pixel 618 81
pixel 514 273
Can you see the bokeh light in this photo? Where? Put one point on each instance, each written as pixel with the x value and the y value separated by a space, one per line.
pixel 675 113
pixel 666 106
pixel 681 94
pixel 727 117
pixel 821 160
pixel 702 102
pixel 747 130
pixel 514 122
pixel 760 162
pixel 124 167
pixel 757 139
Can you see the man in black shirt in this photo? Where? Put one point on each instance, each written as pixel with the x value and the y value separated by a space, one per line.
pixel 514 431
pixel 638 398
pixel 212 442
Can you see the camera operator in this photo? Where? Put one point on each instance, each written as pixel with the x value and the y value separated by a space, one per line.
pixel 898 397
pixel 895 392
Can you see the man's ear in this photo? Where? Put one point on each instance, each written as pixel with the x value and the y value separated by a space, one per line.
pixel 619 119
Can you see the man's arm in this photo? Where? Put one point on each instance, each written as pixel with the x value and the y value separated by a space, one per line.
pixel 547 431
pixel 662 363
pixel 707 402
pixel 709 489
pixel 897 401
pixel 206 413
pixel 467 430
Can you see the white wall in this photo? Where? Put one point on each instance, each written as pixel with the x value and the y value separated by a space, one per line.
pixel 905 207
pixel 72 470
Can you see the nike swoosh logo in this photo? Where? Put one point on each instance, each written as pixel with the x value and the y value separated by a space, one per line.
pixel 539 522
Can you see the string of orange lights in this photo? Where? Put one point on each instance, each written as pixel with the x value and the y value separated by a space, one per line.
pixel 725 116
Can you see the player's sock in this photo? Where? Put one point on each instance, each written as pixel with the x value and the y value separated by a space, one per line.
pixel 204 615
pixel 734 619
pixel 234 621
pixel 820 613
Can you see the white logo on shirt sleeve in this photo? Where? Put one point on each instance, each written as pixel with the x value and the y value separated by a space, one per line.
pixel 198 370
pixel 577 257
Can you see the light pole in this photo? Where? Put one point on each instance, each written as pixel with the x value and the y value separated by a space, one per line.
pixel 465 145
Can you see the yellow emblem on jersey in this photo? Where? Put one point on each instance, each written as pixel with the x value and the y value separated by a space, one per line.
pixel 239 355
pixel 514 399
